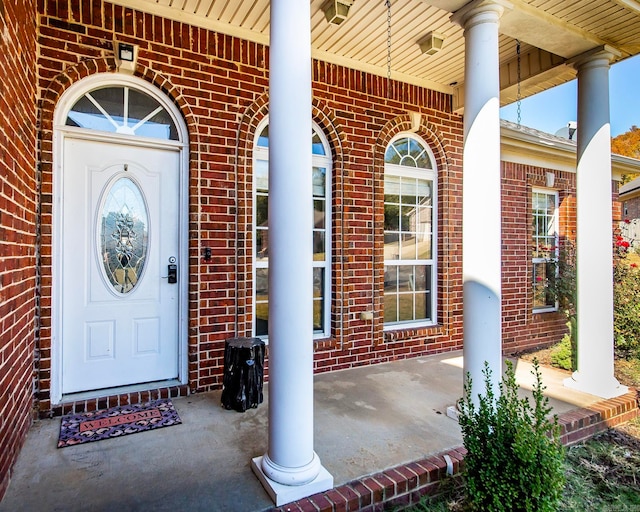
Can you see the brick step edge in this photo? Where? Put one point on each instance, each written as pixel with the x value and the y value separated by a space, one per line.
pixel 406 484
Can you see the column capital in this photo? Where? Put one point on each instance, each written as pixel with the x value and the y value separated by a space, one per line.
pixel 480 11
pixel 599 56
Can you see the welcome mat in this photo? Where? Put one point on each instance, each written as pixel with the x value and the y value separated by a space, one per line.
pixel 116 422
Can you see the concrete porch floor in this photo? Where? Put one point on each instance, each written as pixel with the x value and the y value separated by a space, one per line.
pixel 367 419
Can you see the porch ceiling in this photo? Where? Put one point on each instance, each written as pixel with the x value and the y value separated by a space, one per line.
pixel 551 32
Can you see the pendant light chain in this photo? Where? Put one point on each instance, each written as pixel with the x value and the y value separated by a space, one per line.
pixel 388 4
pixel 519 96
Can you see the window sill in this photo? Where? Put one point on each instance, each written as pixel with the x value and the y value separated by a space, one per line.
pixel 402 333
pixel 544 310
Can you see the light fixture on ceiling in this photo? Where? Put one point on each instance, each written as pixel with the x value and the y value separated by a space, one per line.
pixel 431 43
pixel 336 11
pixel 126 56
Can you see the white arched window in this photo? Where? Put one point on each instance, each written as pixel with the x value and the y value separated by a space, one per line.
pixel 122 109
pixel 410 218
pixel 321 169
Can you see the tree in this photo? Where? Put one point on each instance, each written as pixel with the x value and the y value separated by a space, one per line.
pixel 628 143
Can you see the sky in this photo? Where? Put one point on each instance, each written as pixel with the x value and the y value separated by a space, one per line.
pixel 552 109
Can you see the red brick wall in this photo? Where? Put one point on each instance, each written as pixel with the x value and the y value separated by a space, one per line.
pixel 220 84
pixel 523 329
pixel 632 206
pixel 17 227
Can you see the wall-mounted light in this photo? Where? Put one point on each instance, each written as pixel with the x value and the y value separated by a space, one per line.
pixel 431 43
pixel 125 52
pixel 126 56
pixel 336 11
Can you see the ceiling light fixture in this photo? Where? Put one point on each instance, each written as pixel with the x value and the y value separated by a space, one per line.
pixel 336 11
pixel 431 43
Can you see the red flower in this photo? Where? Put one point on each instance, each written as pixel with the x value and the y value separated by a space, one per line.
pixel 634 265
pixel 627 221
pixel 538 278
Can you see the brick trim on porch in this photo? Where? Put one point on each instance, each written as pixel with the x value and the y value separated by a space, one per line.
pixel 405 484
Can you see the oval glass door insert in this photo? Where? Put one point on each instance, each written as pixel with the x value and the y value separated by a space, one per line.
pixel 123 235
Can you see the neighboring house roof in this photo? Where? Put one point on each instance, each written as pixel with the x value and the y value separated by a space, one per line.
pixel 524 145
pixel 532 132
pixel 629 190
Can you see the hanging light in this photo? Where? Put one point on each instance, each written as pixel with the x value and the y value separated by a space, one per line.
pixel 431 43
pixel 336 11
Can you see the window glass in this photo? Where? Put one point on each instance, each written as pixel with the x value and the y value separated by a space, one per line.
pixel 409 152
pixel 409 231
pixel 121 109
pixel 321 188
pixel 544 248
pixel 123 234
pixel 261 284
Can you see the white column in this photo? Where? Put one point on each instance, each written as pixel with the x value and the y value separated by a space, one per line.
pixel 290 469
pixel 481 215
pixel 595 373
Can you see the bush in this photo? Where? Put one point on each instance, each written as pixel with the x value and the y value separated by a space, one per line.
pixel 515 459
pixel 626 302
pixel 626 310
pixel 564 288
pixel 562 354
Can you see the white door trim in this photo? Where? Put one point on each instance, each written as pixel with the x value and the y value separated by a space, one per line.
pixel 60 133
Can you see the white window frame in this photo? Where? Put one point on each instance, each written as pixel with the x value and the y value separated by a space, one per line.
pixel 325 161
pixel 425 174
pixel 554 252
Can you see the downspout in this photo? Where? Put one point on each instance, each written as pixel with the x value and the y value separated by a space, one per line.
pixel 342 251
pixel 38 283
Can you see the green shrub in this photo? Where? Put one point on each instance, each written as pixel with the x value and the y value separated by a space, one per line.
pixel 564 288
pixel 626 310
pixel 626 301
pixel 562 355
pixel 514 460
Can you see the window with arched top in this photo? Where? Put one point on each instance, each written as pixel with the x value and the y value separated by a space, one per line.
pixel 321 175
pixel 410 229
pixel 125 110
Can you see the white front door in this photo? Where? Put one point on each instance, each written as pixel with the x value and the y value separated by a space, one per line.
pixel 120 234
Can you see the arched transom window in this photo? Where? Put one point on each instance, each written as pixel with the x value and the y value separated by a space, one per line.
pixel 124 110
pixel 409 233
pixel 321 172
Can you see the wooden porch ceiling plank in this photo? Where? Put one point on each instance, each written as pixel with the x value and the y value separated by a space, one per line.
pixel 348 42
pixel 413 58
pixel 190 6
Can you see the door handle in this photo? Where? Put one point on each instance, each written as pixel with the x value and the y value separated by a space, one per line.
pixel 172 273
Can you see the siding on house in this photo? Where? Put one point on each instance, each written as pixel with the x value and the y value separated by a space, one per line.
pixel 18 227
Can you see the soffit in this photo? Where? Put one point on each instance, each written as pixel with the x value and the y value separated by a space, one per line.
pixel 550 31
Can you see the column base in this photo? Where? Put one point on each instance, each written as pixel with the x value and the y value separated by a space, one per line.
pixel 282 494
pixel 604 388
